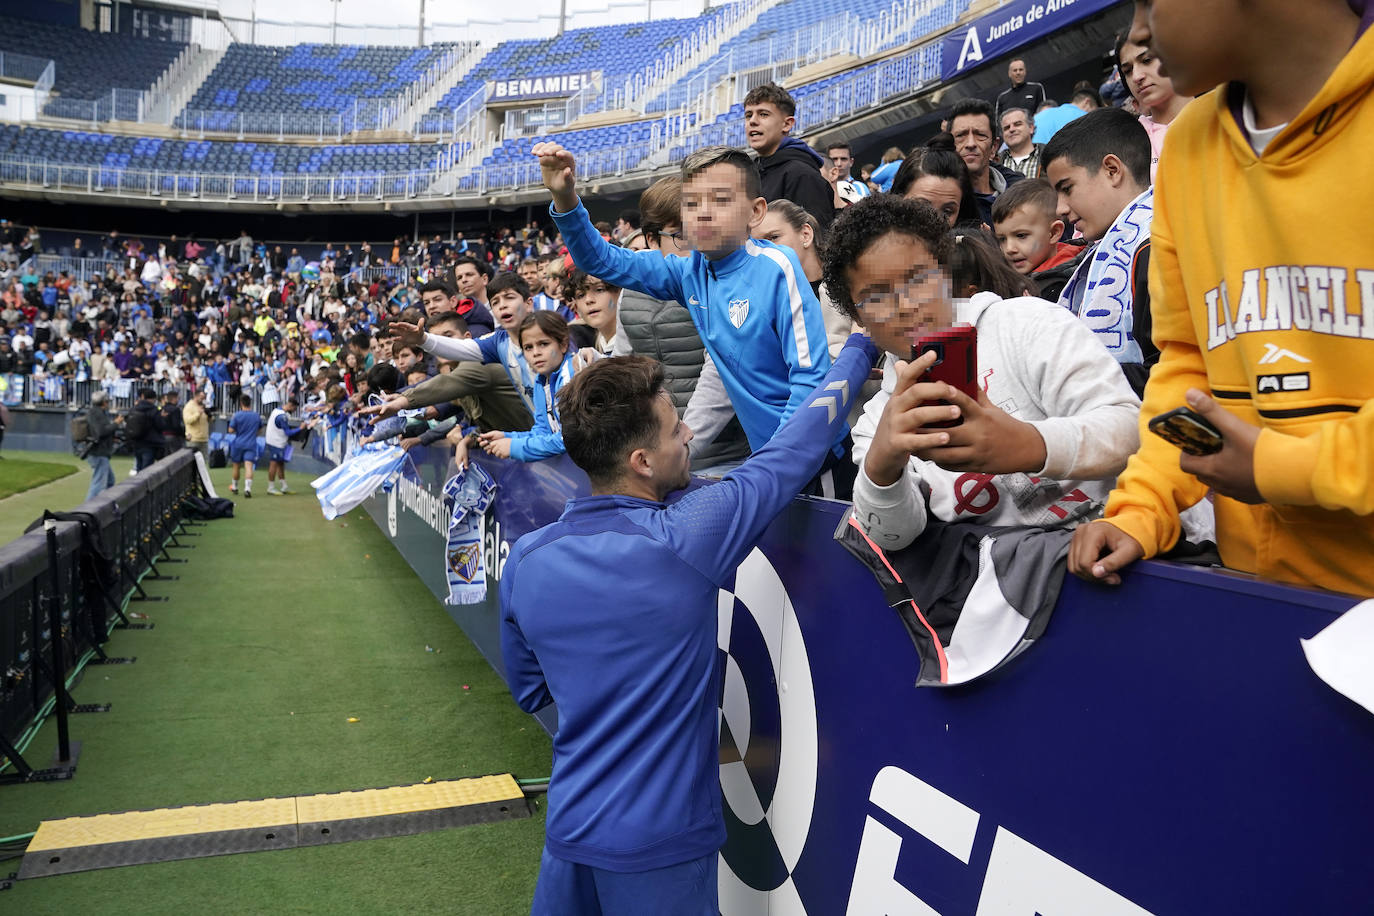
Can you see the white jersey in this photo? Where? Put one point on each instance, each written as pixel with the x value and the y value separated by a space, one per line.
pixel 275 435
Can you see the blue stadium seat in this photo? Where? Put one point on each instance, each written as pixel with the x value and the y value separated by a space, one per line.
pixel 87 65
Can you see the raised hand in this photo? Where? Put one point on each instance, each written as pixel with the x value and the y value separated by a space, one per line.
pixel 393 405
pixel 407 335
pixel 558 165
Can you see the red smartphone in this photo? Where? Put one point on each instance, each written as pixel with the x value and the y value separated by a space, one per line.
pixel 956 361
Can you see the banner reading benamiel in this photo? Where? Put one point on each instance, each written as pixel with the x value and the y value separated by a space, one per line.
pixel 1010 27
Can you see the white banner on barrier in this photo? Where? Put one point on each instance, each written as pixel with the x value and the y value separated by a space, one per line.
pixel 204 471
pixel 1339 654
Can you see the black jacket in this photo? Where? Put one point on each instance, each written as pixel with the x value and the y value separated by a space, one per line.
pixel 143 425
pixel 1053 281
pixel 102 430
pixel 985 201
pixel 793 173
pixel 1029 96
pixel 170 423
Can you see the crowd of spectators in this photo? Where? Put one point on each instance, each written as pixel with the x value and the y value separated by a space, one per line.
pixel 469 340
pixel 121 312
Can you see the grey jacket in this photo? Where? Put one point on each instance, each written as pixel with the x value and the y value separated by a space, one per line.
pixel 662 329
pixel 102 430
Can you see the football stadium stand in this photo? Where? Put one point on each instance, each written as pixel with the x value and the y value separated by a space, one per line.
pixel 89 64
pixel 446 120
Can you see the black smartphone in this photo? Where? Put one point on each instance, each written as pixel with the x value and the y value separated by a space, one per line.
pixel 1188 430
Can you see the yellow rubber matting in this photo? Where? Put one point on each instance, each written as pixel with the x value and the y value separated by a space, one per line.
pixel 450 793
pixel 134 837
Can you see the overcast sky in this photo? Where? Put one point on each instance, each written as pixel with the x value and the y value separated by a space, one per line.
pixel 370 22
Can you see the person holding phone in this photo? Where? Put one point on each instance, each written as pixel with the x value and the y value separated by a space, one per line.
pixel 1048 424
pixel 1266 329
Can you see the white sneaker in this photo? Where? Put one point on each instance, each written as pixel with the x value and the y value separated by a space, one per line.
pixel 284 491
pixel 272 492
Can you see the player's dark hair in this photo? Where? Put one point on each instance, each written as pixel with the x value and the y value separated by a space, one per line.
pixel 441 320
pixel 482 269
pixel 630 217
pixel 607 412
pixel 384 377
pixel 507 279
pixel 1086 141
pixel 860 225
pixel 1090 94
pixel 439 285
pixel 245 400
pixel 772 94
pixel 149 394
pixel 831 147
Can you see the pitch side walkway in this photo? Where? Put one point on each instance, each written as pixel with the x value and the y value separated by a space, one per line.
pixel 280 628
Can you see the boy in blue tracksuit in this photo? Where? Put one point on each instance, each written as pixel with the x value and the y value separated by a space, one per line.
pixel 243 444
pixel 749 299
pixel 627 649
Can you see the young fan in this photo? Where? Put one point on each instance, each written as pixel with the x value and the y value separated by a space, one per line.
pixel 1052 425
pixel 544 339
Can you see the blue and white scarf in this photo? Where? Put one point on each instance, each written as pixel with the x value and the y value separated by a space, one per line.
pixel 1100 290
pixel 467 496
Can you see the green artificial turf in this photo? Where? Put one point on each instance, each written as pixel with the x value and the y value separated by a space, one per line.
pixel 19 510
pixel 18 475
pixel 280 628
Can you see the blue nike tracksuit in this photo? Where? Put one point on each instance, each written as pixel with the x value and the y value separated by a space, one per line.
pixel 611 613
pixel 753 308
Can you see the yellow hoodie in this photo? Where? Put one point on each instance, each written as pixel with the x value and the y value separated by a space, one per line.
pixel 1262 291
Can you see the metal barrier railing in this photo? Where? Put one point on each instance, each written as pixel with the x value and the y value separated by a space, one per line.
pixel 59 393
pixel 64 586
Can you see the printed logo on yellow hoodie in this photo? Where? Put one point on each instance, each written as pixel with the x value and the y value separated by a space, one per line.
pixel 1262 292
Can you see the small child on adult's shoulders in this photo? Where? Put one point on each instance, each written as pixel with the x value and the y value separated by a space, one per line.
pixel 1028 230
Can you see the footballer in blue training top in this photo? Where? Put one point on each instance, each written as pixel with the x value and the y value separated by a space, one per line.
pixel 243 444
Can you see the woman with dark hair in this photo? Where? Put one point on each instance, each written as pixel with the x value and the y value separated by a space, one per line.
pixel 935 173
pixel 1153 93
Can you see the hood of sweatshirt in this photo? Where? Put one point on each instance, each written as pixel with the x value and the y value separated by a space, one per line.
pixel 792 150
pixel 1327 113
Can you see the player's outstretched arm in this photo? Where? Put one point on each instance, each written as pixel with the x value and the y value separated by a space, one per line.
pixel 715 527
